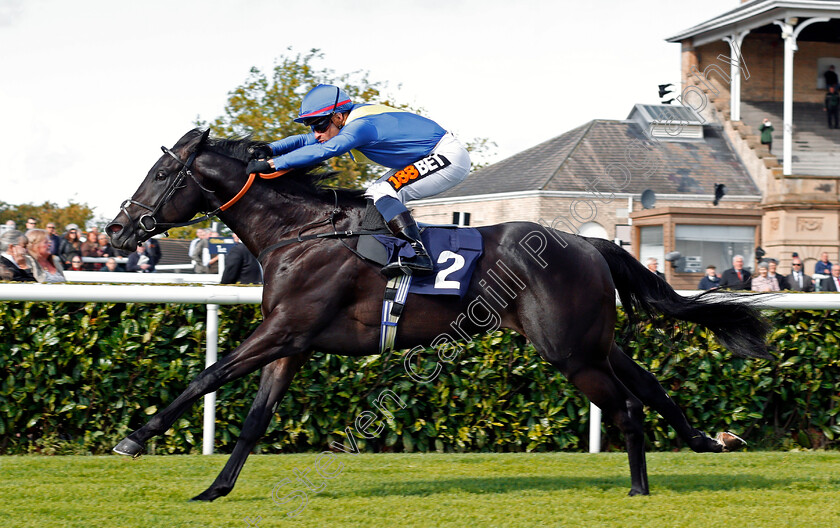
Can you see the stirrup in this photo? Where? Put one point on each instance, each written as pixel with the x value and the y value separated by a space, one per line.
pixel 406 267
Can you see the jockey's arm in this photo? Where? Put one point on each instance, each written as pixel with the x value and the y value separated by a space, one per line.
pixel 354 135
pixel 291 143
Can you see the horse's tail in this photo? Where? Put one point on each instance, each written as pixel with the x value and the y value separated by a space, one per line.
pixel 738 326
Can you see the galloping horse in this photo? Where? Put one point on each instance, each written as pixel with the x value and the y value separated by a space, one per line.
pixel 318 295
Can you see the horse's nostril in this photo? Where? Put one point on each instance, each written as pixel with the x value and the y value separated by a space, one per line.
pixel 113 229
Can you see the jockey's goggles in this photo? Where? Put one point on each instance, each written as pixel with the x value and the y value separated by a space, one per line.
pixel 321 124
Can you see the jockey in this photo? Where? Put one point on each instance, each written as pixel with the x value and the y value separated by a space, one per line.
pixel 424 158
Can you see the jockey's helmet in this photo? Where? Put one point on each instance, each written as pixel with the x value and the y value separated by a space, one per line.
pixel 323 100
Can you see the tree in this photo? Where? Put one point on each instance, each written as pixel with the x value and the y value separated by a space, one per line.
pixel 72 213
pixel 265 108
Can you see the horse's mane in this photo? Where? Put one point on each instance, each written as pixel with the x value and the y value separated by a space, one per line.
pixel 311 180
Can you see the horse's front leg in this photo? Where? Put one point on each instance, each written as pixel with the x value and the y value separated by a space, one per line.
pixel 270 341
pixel 274 382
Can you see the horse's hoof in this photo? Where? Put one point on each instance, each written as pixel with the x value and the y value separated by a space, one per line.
pixel 703 443
pixel 634 492
pixel 209 495
pixel 730 441
pixel 129 447
pixel 203 497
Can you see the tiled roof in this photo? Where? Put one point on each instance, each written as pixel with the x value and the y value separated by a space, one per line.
pixel 572 161
pixel 529 169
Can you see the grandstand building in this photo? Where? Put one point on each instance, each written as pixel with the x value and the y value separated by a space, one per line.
pixel 763 59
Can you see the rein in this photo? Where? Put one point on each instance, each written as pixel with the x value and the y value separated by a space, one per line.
pixel 148 221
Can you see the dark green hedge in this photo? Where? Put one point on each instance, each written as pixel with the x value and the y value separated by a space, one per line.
pixel 76 378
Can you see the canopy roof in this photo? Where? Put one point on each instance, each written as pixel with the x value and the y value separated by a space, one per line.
pixel 755 14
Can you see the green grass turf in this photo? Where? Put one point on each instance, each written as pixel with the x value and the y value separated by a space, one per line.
pixel 762 489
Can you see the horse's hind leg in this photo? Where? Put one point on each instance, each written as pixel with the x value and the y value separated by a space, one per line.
pixel 274 382
pixel 647 388
pixel 601 386
pixel 581 351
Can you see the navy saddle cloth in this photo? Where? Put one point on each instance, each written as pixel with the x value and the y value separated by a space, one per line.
pixel 454 251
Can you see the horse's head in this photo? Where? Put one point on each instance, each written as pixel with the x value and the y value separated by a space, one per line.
pixel 157 204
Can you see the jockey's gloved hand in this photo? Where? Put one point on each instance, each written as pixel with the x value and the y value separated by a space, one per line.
pixel 260 152
pixel 258 166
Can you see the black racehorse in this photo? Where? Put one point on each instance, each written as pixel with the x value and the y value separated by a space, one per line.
pixel 555 288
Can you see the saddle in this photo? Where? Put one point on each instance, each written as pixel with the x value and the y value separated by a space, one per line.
pixel 454 251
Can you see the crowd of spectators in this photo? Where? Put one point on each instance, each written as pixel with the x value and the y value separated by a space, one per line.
pixel 43 255
pixel 767 277
pixel 826 276
pixel 27 257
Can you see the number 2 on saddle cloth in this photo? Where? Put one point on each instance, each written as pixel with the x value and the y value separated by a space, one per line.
pixel 454 252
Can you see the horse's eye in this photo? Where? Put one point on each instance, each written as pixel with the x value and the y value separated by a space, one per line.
pixel 160 176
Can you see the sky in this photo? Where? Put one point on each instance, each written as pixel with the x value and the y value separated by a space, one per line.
pixel 90 89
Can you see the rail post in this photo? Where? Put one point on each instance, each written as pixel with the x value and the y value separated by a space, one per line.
pixel 210 399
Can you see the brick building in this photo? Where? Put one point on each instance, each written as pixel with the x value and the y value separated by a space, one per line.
pixel 780 51
pixel 737 69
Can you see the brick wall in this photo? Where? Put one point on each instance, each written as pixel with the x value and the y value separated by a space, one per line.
pixel 764 57
pixel 552 210
pixel 481 213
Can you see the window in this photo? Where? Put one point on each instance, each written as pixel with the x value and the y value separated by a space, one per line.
pixel 461 219
pixel 651 244
pixel 704 245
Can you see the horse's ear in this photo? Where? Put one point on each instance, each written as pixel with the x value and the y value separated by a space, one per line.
pixel 203 140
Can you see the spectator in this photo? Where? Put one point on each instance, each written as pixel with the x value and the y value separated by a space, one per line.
pixel 13 262
pixel 653 265
pixel 105 249
pixel 766 129
pixel 90 248
pixel 736 277
pixel 197 247
pixel 797 280
pixel 241 265
pixel 70 227
pixel 771 272
pixel 139 261
pixel 45 266
pixel 763 283
pixel 153 251
pixel 711 281
pixel 110 265
pixel 93 232
pixel 832 106
pixel 212 260
pixel 195 241
pixel 832 283
pixel 823 266
pixel 55 240
pixel 10 224
pixel 31 223
pixel 76 264
pixel 830 77
pixel 71 246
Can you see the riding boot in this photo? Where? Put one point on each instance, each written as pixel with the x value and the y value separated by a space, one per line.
pixel 403 226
